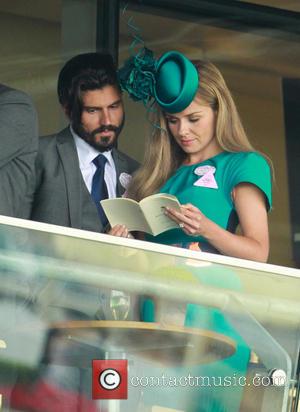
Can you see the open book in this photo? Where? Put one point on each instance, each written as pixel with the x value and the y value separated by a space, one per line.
pixel 146 216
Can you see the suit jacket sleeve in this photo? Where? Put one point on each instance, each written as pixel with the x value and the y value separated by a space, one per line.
pixel 19 143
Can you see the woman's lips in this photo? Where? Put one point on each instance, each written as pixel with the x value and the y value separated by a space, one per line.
pixel 187 142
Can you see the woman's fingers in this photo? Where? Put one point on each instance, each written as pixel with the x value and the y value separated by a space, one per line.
pixel 189 218
pixel 174 214
pixel 190 207
pixel 119 230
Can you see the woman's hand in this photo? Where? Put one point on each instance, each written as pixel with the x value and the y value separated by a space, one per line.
pixel 120 231
pixel 190 219
pixel 253 240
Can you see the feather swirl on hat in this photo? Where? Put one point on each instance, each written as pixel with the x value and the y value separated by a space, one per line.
pixel 137 76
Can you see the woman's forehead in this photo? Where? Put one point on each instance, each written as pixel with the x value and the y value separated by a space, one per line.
pixel 197 105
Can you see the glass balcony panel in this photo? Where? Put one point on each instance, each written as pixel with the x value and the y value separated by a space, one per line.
pixel 200 332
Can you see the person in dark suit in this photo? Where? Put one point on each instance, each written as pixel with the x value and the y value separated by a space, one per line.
pixel 66 169
pixel 19 145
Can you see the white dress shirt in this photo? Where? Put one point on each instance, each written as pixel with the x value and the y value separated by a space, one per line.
pixel 86 155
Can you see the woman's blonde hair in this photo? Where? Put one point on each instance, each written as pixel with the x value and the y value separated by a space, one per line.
pixel 163 155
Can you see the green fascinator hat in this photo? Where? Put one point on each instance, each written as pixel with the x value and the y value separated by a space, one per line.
pixel 176 82
pixel 172 80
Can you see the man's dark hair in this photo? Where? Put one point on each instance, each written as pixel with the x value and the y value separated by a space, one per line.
pixel 87 71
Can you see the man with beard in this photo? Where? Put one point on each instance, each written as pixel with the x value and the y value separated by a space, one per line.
pixel 81 165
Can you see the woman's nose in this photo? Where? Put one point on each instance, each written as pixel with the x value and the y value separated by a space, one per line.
pixel 183 128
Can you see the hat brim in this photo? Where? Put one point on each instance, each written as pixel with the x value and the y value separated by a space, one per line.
pixel 176 82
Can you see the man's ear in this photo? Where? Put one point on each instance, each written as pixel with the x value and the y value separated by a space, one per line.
pixel 66 111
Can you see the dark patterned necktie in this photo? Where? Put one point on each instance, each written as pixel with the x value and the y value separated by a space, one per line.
pixel 99 189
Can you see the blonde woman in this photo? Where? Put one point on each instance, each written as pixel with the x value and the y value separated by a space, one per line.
pixel 201 154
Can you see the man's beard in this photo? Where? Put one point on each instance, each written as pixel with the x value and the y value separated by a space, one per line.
pixel 105 143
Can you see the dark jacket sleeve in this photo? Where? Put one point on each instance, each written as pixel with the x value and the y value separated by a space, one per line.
pixel 19 144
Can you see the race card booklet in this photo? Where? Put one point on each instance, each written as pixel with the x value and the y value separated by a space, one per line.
pixel 144 216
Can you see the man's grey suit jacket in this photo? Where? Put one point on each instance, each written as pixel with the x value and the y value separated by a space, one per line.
pixel 61 196
pixel 18 149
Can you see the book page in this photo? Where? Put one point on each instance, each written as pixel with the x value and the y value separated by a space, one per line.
pixel 122 211
pixel 154 208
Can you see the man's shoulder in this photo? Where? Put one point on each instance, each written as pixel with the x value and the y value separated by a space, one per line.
pixel 14 95
pixel 7 90
pixel 50 146
pixel 55 138
pixel 125 158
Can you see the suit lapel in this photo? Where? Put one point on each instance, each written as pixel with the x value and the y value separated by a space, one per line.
pixel 121 167
pixel 68 154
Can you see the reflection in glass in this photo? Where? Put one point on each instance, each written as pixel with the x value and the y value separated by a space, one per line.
pixel 114 305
